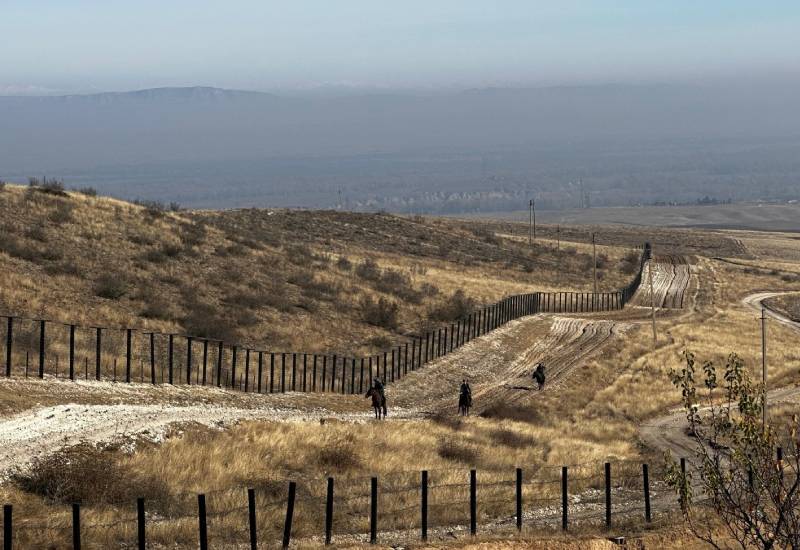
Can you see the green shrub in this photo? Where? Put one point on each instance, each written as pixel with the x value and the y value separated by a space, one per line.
pixel 110 286
pixel 457 306
pixel 381 313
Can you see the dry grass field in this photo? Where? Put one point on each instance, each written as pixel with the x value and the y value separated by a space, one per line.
pixel 278 279
pixel 287 270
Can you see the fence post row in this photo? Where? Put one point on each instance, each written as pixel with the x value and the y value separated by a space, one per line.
pixel 437 343
pixel 203 527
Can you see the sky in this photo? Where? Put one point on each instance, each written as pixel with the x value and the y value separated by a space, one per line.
pixel 79 46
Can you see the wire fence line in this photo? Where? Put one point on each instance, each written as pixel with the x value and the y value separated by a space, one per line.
pixel 400 506
pixel 35 347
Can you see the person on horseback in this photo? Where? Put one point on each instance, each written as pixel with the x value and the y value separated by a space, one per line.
pixel 538 375
pixel 465 389
pixel 464 397
pixel 378 386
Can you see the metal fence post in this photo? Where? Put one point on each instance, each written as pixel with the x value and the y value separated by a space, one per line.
pixel 519 499
pixel 473 503
pixel 608 493
pixel 72 352
pixel 170 359
pixel 424 505
pixel 41 347
pixel 128 356
pixel 203 526
pixel 189 341
pixel 76 526
pixel 329 511
pixel 8 530
pixel 646 483
pixel 287 526
pixel 140 524
pixel 373 511
pixel 9 344
pixel 251 512
pixel 564 503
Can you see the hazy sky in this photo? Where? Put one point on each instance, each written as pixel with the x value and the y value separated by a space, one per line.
pixel 85 45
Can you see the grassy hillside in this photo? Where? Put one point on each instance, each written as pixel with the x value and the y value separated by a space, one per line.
pixel 281 279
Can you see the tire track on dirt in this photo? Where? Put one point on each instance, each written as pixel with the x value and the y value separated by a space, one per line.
pixel 561 343
pixel 671 277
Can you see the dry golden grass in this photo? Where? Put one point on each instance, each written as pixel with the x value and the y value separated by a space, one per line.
pixel 268 279
pixel 593 417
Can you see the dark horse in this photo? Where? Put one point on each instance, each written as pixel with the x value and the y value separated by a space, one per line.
pixel 464 403
pixel 378 402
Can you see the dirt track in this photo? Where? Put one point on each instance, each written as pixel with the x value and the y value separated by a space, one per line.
pixel 671 276
pixel 498 365
pixel 668 432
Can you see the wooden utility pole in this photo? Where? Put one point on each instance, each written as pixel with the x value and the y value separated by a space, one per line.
pixel 652 297
pixel 530 221
pixel 764 366
pixel 558 237
pixel 594 255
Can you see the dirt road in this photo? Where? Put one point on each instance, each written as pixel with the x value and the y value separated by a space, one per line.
pixel 498 365
pixel 671 276
pixel 668 432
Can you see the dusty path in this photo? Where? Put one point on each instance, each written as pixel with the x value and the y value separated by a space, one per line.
pixel 756 302
pixel 671 276
pixel 668 432
pixel 499 365
pixel 105 412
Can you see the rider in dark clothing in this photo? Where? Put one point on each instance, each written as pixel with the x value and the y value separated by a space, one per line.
pixel 378 385
pixel 466 391
pixel 538 375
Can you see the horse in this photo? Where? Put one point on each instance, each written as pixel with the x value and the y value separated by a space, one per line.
pixel 378 402
pixel 464 403
pixel 538 376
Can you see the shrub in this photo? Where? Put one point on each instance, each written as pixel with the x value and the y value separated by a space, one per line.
pixel 380 342
pixel 204 321
pixel 457 450
pixel 338 452
pixel 90 475
pixel 2 185
pixel 156 309
pixel 88 191
pixel 36 232
pixel 457 306
pixel 110 286
pixel 51 187
pixel 503 411
pixel 344 264
pixel 380 313
pixel 65 267
pixel 512 439
pixel 368 270
pixel 395 282
pixel 62 213
pixel 175 207
pixel 151 208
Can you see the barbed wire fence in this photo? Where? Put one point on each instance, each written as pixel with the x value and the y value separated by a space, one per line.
pixel 393 508
pixel 49 349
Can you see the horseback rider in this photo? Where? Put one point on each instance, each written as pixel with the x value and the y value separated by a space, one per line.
pixel 466 391
pixel 378 386
pixel 538 375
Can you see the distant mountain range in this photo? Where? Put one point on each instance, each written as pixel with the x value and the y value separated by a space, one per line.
pixel 392 149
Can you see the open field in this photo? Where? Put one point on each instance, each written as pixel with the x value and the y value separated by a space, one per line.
pixel 606 376
pixel 757 216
